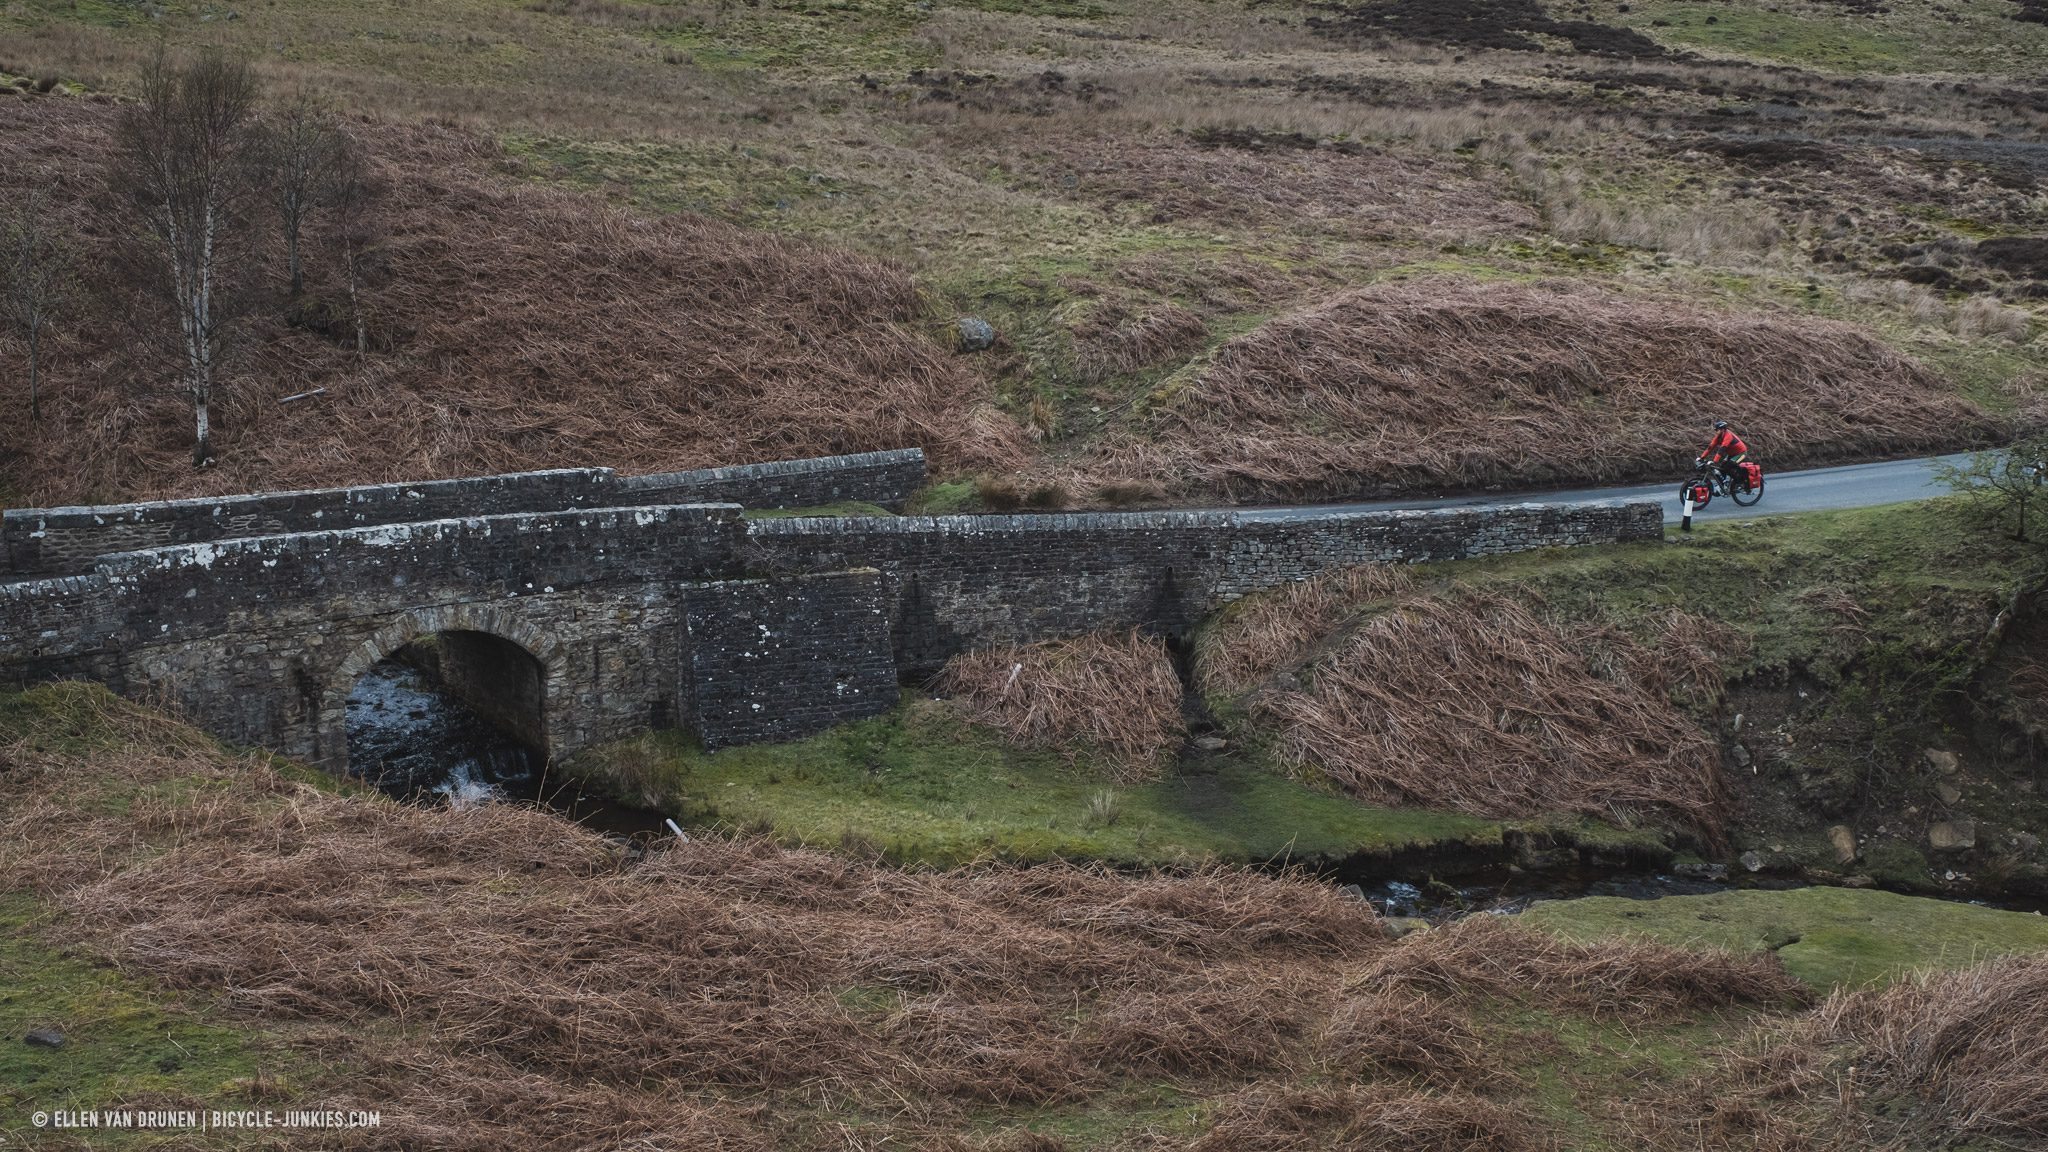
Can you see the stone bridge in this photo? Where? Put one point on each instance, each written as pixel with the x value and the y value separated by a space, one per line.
pixel 576 607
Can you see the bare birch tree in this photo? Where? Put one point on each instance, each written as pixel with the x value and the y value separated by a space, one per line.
pixel 349 198
pixel 297 147
pixel 183 159
pixel 35 276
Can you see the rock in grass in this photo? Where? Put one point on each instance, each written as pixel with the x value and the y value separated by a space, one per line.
pixel 44 1038
pixel 1952 835
pixel 974 333
pixel 1398 926
pixel 1845 843
pixel 1943 761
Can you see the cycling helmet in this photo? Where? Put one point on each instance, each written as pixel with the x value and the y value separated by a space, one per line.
pixel 1720 424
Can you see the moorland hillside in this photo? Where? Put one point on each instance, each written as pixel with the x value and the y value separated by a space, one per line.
pixel 1229 250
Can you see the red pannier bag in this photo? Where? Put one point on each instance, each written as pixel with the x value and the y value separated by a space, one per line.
pixel 1754 473
pixel 1701 494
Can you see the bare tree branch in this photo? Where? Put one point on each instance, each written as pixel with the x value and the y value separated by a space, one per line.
pixel 350 196
pixel 35 279
pixel 2005 483
pixel 295 151
pixel 184 161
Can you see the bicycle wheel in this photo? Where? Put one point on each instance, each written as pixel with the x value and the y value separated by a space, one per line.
pixel 1748 496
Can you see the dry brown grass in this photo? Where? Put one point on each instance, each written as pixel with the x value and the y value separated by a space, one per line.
pixel 498 978
pixel 1114 338
pixel 1396 1033
pixel 1115 694
pixel 1234 174
pixel 1370 1116
pixel 1966 1042
pixel 505 975
pixel 1276 629
pixel 1452 384
pixel 516 328
pixel 1494 956
pixel 1468 701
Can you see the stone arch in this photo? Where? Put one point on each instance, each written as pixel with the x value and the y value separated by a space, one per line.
pixel 484 619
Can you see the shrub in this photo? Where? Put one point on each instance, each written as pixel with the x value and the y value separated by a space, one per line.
pixel 999 495
pixel 1115 694
pixel 1048 496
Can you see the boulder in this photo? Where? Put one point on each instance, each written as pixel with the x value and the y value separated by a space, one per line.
pixel 1952 835
pixel 44 1038
pixel 1398 926
pixel 1943 761
pixel 1752 860
pixel 1739 754
pixel 1210 743
pixel 1947 793
pixel 1845 843
pixel 974 333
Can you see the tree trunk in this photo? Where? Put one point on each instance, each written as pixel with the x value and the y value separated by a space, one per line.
pixel 355 309
pixel 292 249
pixel 202 445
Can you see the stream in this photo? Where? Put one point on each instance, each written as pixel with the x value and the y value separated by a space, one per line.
pixel 417 743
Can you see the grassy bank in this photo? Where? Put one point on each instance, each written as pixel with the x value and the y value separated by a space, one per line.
pixel 123 1040
pixel 1811 591
pixel 921 786
pixel 1829 937
pixel 1871 669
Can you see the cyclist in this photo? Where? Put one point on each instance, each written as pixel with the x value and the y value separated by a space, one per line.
pixel 1726 453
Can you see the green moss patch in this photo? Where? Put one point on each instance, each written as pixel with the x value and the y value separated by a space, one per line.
pixel 123 1045
pixel 1828 937
pixel 921 786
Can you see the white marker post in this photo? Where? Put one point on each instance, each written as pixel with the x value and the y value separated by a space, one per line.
pixel 1685 520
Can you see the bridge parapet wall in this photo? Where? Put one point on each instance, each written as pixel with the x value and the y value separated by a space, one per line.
pixel 61 627
pixel 888 479
pixel 51 541
pixel 204 589
pixel 960 582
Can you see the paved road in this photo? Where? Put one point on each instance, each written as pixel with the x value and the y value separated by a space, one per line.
pixel 1849 486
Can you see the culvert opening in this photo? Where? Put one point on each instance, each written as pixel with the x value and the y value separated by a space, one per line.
pixel 457 716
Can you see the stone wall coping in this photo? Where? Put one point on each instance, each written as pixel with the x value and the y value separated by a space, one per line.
pixel 968 525
pixel 145 510
pixel 770 468
pixel 205 554
pixel 42 587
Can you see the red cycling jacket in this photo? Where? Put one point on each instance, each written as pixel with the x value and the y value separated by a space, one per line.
pixel 1726 443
